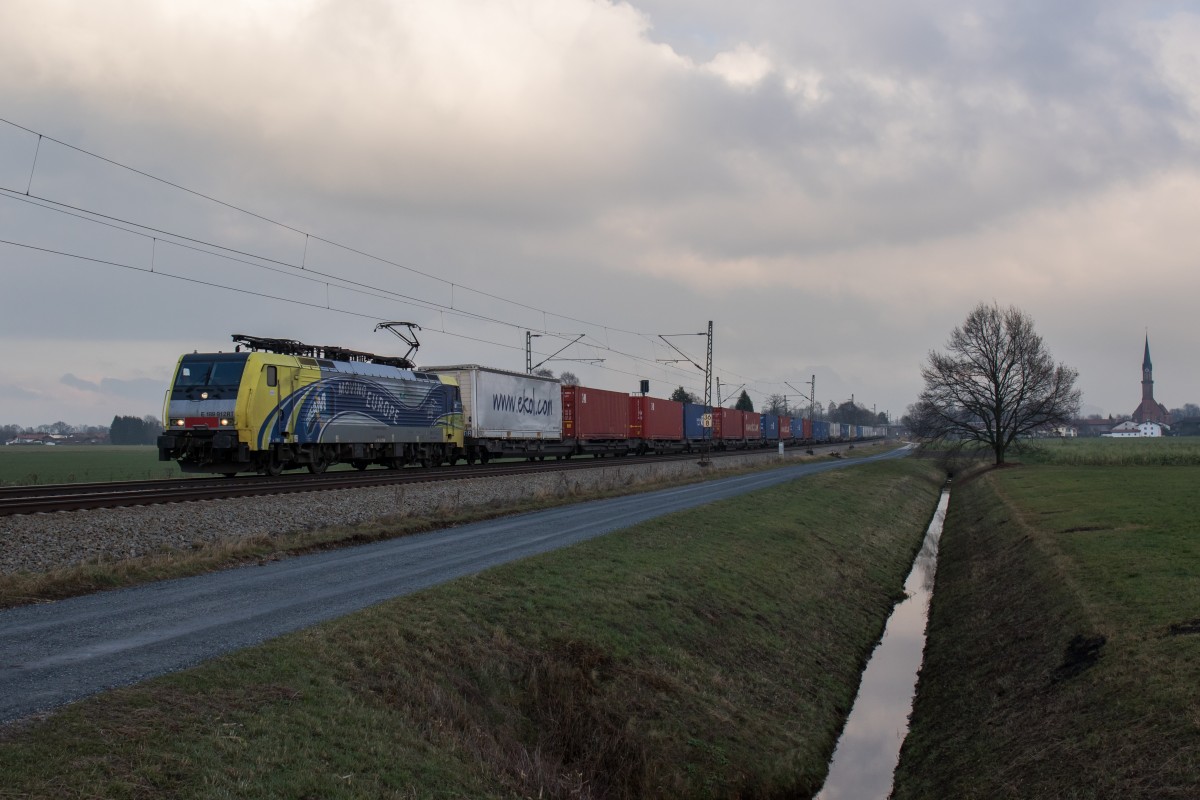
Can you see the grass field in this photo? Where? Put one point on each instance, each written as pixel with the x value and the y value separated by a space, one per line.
pixel 1064 646
pixel 712 653
pixel 1166 451
pixel 23 465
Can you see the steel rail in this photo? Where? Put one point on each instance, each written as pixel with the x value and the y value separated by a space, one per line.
pixel 82 496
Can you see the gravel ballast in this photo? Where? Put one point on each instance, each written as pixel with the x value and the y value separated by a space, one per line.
pixel 42 542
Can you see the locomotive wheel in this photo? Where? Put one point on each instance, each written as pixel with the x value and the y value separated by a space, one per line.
pixel 360 465
pixel 319 466
pixel 229 474
pixel 274 467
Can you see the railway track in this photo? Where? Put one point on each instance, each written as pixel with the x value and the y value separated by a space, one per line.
pixel 82 496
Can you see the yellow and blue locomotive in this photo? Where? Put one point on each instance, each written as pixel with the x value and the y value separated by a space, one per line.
pixel 281 404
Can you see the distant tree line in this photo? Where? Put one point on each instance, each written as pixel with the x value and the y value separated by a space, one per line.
pixel 9 432
pixel 1188 411
pixel 134 430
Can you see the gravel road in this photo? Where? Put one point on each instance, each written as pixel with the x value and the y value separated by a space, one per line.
pixel 60 652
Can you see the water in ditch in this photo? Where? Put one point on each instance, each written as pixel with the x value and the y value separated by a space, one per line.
pixel 867 752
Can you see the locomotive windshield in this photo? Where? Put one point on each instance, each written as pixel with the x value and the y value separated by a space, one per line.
pixel 221 371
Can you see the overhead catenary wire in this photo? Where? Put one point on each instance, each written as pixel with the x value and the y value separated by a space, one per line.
pixel 418 302
pixel 252 293
pixel 265 263
pixel 285 226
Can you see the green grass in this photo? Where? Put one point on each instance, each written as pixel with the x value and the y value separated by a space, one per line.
pixel 1165 451
pixel 1033 557
pixel 27 465
pixel 712 653
pixel 23 465
pixel 21 588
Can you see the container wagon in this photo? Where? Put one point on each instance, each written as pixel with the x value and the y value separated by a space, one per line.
pixel 754 434
pixel 730 427
pixel 695 433
pixel 656 425
pixel 508 414
pixel 596 420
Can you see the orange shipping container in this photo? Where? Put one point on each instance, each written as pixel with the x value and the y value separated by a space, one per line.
pixel 656 419
pixel 594 414
pixel 732 423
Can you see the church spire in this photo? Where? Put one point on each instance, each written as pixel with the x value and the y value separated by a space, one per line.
pixel 1150 409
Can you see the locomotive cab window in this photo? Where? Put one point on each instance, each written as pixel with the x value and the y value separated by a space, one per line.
pixel 216 372
pixel 194 374
pixel 272 376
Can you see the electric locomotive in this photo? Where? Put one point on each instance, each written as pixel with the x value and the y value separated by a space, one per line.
pixel 282 404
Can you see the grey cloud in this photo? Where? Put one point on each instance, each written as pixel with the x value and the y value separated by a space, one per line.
pixel 13 392
pixel 929 126
pixel 138 388
pixel 79 383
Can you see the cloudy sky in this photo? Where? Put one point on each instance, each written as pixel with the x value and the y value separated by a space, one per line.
pixel 833 184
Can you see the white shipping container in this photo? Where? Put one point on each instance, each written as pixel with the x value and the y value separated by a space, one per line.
pixel 507 405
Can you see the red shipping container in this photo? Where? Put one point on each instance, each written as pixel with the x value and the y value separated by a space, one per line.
pixel 654 419
pixel 807 428
pixel 595 413
pixel 785 428
pixel 732 423
pixel 753 425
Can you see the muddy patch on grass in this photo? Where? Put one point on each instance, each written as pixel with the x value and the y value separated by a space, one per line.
pixel 1081 654
pixel 1189 628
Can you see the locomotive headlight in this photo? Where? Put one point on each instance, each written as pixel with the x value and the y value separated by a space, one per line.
pixel 224 422
pixel 179 422
pixel 204 395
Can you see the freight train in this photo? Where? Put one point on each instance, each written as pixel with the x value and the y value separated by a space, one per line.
pixel 281 404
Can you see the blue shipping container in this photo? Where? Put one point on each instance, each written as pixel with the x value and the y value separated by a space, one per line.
pixel 770 427
pixel 693 421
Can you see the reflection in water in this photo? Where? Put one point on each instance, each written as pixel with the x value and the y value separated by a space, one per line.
pixel 869 747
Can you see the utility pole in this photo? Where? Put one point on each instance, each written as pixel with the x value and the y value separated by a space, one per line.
pixel 708 376
pixel 811 397
pixel 707 369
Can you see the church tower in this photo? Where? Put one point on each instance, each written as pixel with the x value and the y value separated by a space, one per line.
pixel 1150 410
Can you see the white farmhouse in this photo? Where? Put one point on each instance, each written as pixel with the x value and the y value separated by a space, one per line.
pixel 1135 430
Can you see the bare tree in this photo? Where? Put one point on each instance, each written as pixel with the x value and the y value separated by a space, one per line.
pixel 776 404
pixel 568 378
pixel 995 383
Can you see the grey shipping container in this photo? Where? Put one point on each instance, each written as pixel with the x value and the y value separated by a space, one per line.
pixel 498 404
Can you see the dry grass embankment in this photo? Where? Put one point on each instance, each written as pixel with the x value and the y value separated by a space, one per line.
pixel 1063 657
pixel 711 653
pixel 21 588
